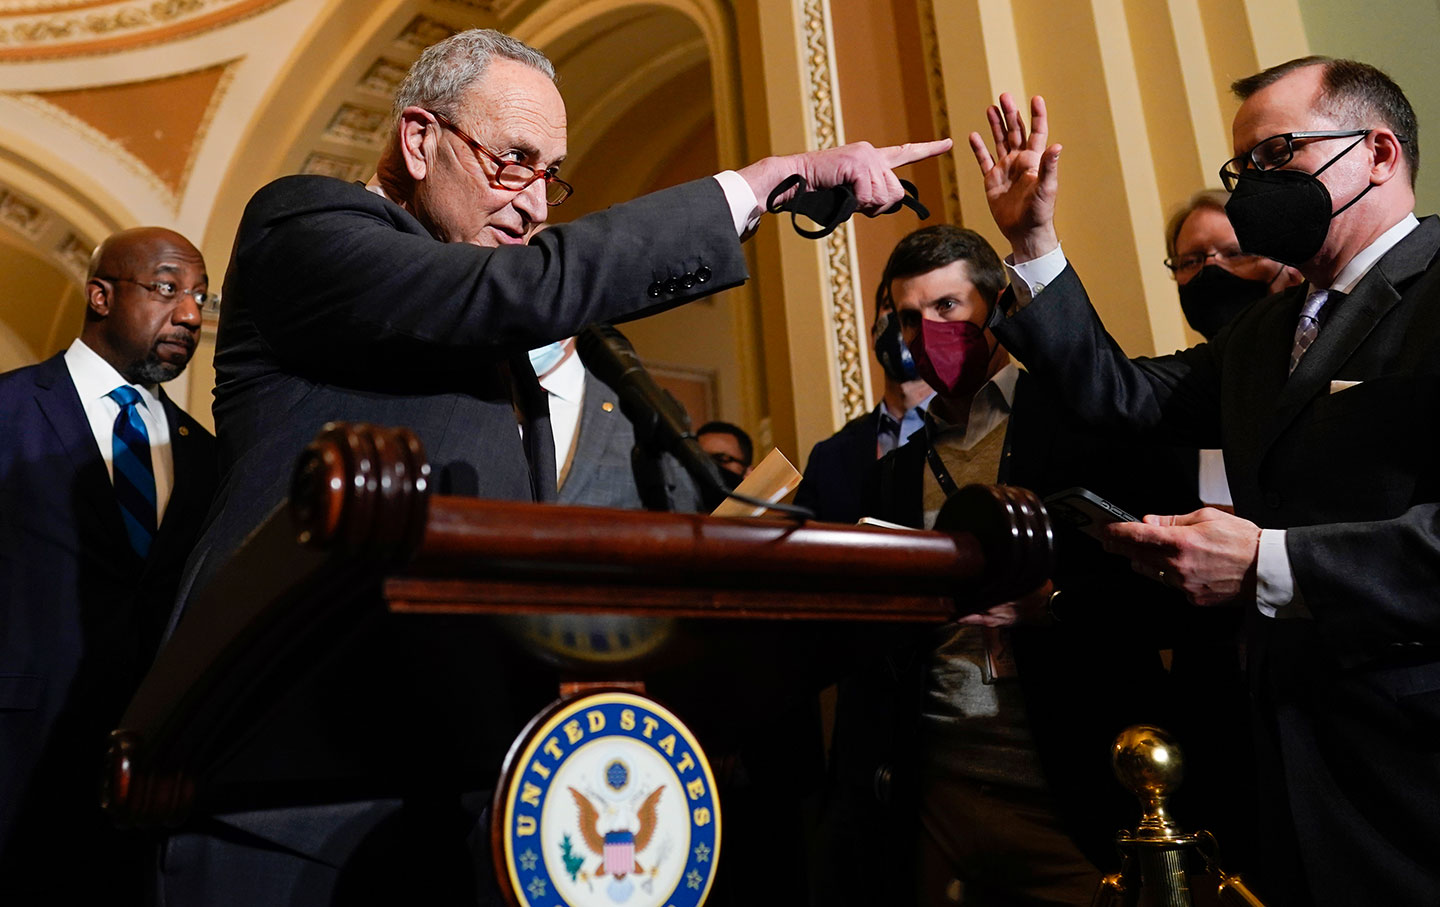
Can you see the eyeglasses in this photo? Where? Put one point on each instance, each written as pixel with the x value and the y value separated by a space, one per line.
pixel 1194 261
pixel 1276 152
pixel 512 174
pixel 167 290
pixel 723 460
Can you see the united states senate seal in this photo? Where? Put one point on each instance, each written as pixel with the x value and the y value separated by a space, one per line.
pixel 607 799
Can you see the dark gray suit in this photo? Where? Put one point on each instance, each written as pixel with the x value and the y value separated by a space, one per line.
pixel 1347 703
pixel 340 306
pixel 600 472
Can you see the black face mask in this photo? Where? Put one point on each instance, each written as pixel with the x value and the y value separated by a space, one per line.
pixel 1214 296
pixel 1284 214
pixel 730 480
pixel 890 349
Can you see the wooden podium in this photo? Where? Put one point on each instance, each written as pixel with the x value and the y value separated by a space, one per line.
pixel 372 637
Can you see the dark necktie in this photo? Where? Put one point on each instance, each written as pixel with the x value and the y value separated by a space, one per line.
pixel 134 476
pixel 1308 327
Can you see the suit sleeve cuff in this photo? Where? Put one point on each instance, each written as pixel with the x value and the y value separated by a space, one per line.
pixel 1030 277
pixel 1275 592
pixel 745 209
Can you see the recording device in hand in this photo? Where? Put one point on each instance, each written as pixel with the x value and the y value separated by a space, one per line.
pixel 1082 509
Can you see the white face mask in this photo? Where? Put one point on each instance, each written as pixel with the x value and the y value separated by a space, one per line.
pixel 544 358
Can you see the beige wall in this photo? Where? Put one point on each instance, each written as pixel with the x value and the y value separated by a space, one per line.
pixel 1399 36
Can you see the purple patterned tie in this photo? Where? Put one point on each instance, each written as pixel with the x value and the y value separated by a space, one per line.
pixel 1309 327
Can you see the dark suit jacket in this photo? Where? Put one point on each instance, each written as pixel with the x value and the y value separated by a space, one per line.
pixel 835 474
pixel 80 617
pixel 1349 701
pixel 340 306
pixel 1084 679
pixel 600 472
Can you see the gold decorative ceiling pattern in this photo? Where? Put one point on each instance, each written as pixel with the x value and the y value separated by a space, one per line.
pixel 47 30
pixel 158 122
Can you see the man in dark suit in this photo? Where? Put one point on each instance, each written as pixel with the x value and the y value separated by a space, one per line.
pixel 105 482
pixel 594 441
pixel 412 301
pixel 838 466
pixel 1003 762
pixel 1323 399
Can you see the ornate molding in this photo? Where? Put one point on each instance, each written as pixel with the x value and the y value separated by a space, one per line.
pixel 171 195
pixel 827 131
pixel 49 234
pixel 939 109
pixel 33 31
pixel 496 8
pixel 422 31
pixel 318 163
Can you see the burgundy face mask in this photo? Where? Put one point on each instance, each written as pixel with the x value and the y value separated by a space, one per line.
pixel 952 356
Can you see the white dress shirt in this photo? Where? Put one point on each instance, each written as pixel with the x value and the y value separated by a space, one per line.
pixel 565 385
pixel 1275 594
pixel 94 379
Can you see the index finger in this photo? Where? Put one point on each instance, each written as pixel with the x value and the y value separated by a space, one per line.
pixel 1147 535
pixel 910 152
pixel 1039 124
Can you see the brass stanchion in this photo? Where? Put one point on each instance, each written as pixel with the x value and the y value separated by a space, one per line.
pixel 1161 866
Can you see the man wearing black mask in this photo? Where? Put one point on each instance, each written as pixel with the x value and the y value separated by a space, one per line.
pixel 1325 401
pixel 836 471
pixel 966 751
pixel 1217 280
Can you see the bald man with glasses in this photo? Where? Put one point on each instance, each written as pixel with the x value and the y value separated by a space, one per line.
pixel 104 482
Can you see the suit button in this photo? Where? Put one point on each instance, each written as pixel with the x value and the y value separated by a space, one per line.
pixel 1272 500
pixel 654 289
pixel 702 274
pixel 687 281
pixel 884 784
pixel 672 286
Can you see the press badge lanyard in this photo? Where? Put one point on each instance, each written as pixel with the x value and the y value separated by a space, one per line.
pixel 937 466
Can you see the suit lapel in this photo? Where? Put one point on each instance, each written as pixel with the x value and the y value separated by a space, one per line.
pixel 1348 326
pixel 59 402
pixel 184 468
pixel 592 438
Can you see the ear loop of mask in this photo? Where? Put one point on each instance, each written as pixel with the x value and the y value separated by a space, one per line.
pixel 829 208
pixel 1337 157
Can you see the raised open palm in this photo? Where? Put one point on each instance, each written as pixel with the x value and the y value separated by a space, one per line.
pixel 1022 179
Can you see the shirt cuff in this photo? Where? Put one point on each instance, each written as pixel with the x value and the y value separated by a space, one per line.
pixel 1275 592
pixel 745 208
pixel 1030 277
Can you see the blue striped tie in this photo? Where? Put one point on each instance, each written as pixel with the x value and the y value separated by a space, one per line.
pixel 134 477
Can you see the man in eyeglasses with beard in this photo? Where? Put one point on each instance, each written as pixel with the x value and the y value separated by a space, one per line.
pixel 1324 401
pixel 103 484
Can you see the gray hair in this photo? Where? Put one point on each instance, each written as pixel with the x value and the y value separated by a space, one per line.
pixel 1206 198
pixel 439 79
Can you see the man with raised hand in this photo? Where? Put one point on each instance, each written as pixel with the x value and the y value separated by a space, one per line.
pixel 413 301
pixel 1324 401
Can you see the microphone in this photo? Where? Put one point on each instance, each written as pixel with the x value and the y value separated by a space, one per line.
pixel 660 423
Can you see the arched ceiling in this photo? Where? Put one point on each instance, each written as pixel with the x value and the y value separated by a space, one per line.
pixel 114 114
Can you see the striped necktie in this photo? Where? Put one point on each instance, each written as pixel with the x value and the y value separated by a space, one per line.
pixel 134 476
pixel 1309 326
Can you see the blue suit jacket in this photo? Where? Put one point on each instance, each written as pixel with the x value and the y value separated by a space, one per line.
pixel 80 612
